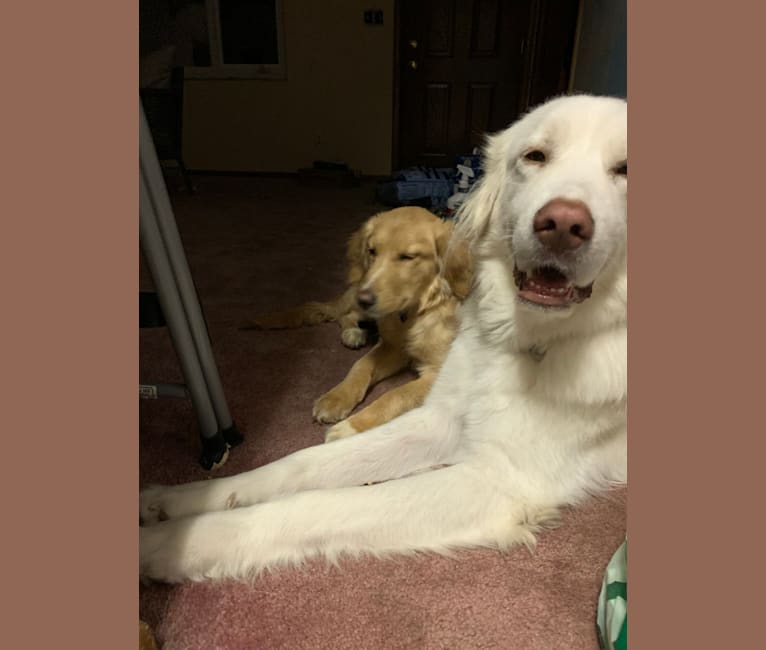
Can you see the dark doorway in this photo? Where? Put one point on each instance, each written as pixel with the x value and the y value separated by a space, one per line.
pixel 468 67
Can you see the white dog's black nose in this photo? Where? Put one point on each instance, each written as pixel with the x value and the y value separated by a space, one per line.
pixel 563 225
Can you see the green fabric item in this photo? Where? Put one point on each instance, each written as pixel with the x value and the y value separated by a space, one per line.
pixel 612 618
pixel 615 589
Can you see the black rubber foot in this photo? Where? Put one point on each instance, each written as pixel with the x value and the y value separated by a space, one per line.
pixel 214 451
pixel 232 436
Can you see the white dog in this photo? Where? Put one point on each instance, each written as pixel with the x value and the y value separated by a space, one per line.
pixel 528 413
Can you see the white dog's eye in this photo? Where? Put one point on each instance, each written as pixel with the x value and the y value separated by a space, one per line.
pixel 622 169
pixel 372 252
pixel 535 155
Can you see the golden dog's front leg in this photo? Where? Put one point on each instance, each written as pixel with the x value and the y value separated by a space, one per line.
pixel 388 406
pixel 380 362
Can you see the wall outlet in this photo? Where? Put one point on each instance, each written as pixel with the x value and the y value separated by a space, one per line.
pixel 373 16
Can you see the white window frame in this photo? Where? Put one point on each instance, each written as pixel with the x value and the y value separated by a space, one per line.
pixel 220 70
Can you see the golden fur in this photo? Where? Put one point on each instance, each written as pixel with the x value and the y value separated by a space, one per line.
pixel 342 310
pixel 402 258
pixel 146 640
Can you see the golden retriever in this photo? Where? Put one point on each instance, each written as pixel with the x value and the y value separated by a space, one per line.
pixel 401 276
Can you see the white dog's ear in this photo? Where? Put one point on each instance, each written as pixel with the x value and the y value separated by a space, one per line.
pixel 356 249
pixel 474 215
pixel 456 262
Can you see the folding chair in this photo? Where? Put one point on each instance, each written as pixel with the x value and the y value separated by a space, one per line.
pixel 177 306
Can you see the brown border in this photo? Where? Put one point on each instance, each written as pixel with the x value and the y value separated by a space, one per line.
pixel 70 265
pixel 70 326
pixel 695 346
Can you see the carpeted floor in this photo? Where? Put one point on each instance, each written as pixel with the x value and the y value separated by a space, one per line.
pixel 255 244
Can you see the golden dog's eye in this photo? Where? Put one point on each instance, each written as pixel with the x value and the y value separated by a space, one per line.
pixel 372 252
pixel 622 169
pixel 406 256
pixel 535 156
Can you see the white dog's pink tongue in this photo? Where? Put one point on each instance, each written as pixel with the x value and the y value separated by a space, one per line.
pixel 547 287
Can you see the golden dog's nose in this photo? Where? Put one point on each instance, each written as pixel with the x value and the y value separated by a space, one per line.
pixel 365 298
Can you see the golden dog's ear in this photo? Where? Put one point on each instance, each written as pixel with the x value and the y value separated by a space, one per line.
pixel 356 250
pixel 456 260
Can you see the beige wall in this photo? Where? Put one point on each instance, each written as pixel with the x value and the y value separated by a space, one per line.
pixel 336 103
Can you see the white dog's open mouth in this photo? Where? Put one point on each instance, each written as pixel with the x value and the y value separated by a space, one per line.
pixel 548 286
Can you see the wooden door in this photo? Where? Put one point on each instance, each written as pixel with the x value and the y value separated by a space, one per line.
pixel 468 67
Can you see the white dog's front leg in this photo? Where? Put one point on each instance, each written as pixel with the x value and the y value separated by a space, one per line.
pixel 418 439
pixel 434 511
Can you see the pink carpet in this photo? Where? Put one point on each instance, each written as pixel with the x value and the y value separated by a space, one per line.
pixel 255 244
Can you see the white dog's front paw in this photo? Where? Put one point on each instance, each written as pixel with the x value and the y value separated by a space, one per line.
pixel 160 502
pixel 161 553
pixel 343 429
pixel 175 551
pixel 214 545
pixel 353 337
pixel 151 509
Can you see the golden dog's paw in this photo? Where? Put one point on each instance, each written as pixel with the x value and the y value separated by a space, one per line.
pixel 343 429
pixel 332 407
pixel 353 337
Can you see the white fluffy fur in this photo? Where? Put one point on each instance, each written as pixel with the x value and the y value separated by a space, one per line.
pixel 528 412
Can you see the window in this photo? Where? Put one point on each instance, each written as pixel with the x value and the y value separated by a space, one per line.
pixel 232 39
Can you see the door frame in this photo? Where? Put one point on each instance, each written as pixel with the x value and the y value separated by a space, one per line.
pixel 397 81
